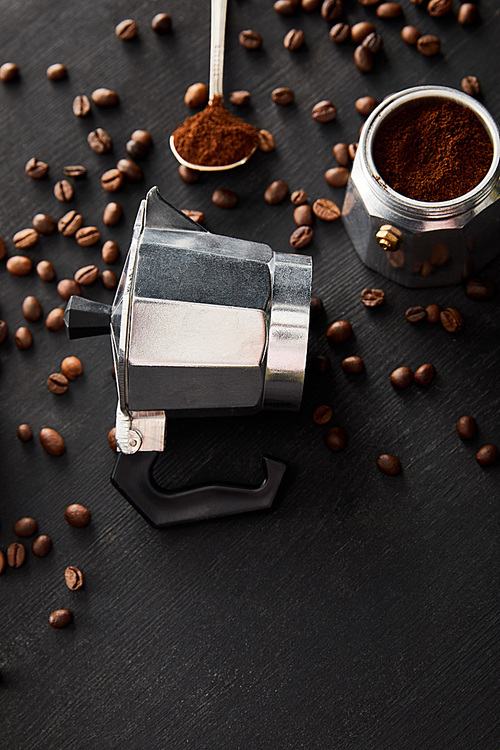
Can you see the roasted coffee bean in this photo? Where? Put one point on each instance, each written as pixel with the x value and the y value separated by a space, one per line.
pixel 451 320
pixel 24 433
pixel 480 289
pixel 32 309
pixel 416 314
pixel 419 2
pixel 196 216
pixel 316 308
pixel 336 438
pixel 250 39
pixel 309 5
pixel 109 279
pixel 282 96
pixel 130 170
pixel 112 180
pixel 60 618
pixel 9 71
pixel 321 364
pixel 52 442
pixel 19 265
pixel 401 377
pixel 285 7
pixel 57 383
pixel 143 137
pixel 373 42
pixel 100 141
pixel 339 331
pixel 424 375
pixel 55 319
pixel 438 8
pixel 67 288
pixel 470 85
pixel 410 35
pixel 75 171
pixel 294 40
pixel 326 210
pixel 161 23
pixel 276 192
pixel 331 10
pixel 135 149
pixel 389 464
pixel 110 252
pixel 3 248
pixel 44 224
pixel 196 95
pixel 77 515
pixel 25 527
pixel 42 545
pixel 353 365
pixel 25 238
pixel 63 191
pixel 112 214
pixel 71 367
pixel 303 215
pixel 70 223
pixel 323 414
pixel 23 338
pixel 105 97
pixel 16 554
pixel 240 98
pixel 429 45
pixel 3 561
pixel 365 105
pixel 341 154
pixel 298 197
pixel 35 168
pixel 265 141
pixel 363 59
pixel 223 198
pixel 466 427
pixel 4 330
pixel 360 30
pixel 487 455
pixel 187 175
pixel 467 14
pixel 432 313
pixel 368 3
pixel 301 237
pixel 340 33
pixel 126 30
pixel 390 10
pixel 81 105
pixel 337 176
pixel 112 440
pixel 87 275
pixel 372 297
pixel 351 150
pixel 73 578
pixel 324 111
pixel 56 72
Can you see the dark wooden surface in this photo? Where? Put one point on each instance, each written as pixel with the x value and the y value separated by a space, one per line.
pixel 362 612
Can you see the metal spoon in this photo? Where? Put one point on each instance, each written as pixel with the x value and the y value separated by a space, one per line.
pixel 217 35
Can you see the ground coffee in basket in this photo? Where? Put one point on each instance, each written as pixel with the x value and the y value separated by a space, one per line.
pixel 435 150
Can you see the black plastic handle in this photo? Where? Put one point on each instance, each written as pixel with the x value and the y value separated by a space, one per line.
pixel 133 477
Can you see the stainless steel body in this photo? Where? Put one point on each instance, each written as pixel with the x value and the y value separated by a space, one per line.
pixel 415 243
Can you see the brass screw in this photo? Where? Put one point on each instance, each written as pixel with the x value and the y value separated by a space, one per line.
pixel 388 237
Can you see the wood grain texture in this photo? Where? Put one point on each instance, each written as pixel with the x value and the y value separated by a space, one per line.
pixel 362 612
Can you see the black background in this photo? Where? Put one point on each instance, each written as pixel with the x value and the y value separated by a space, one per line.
pixel 362 611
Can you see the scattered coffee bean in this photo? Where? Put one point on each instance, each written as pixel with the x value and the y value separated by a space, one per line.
pixel 361 30
pixel 282 96
pixel 410 35
pixel 285 7
pixel 294 40
pixel 67 288
pixel 75 170
pixel 81 105
pixel 105 98
pixel 196 95
pixel 57 383
pixel 309 5
pixel 19 265
pixel 326 210
pixel 73 578
pixel 389 464
pixel 340 33
pixel 470 85
pixel 9 71
pixel 429 45
pixel 316 308
pixel 451 320
pixel 135 149
pixel 60 618
pixel 331 10
pixel 87 275
pixel 323 414
pixel 321 364
pixel 23 338
pixel 390 10
pixel 126 30
pixel 353 365
pixel 16 554
pixel 424 375
pixel 301 237
pixel 112 214
pixel 44 224
pixel 77 515
pixel 373 43
pixel 56 72
pixel 365 105
pixel 25 527
pixel 265 141
pixel 416 314
pixel 25 238
pixel 112 440
pixel 324 111
pixel 336 438
pixel 42 545
pixel 401 377
pixel 298 197
pixel 109 279
pixel 223 198
pixel 100 141
pixel 276 192
pixel 55 319
pixel 32 309
pixel 111 180
pixel 487 455
pixel 438 8
pixel 372 297
pixel 143 137
pixel 432 313
pixel 250 39
pixel 63 191
pixel 303 215
pixel 467 14
pixel 71 367
pixel 36 169
pixel 240 98
pixel 4 330
pixel 196 216
pixel 480 289
pixel 341 154
pixel 24 433
pixel 187 175
pixel 363 59
pixel 130 170
pixel 339 331
pixel 351 150
pixel 337 177
pixel 466 427
pixel 3 561
pixel 70 223
pixel 161 23
pixel 110 252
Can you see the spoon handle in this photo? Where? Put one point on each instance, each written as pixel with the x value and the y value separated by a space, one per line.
pixel 217 34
